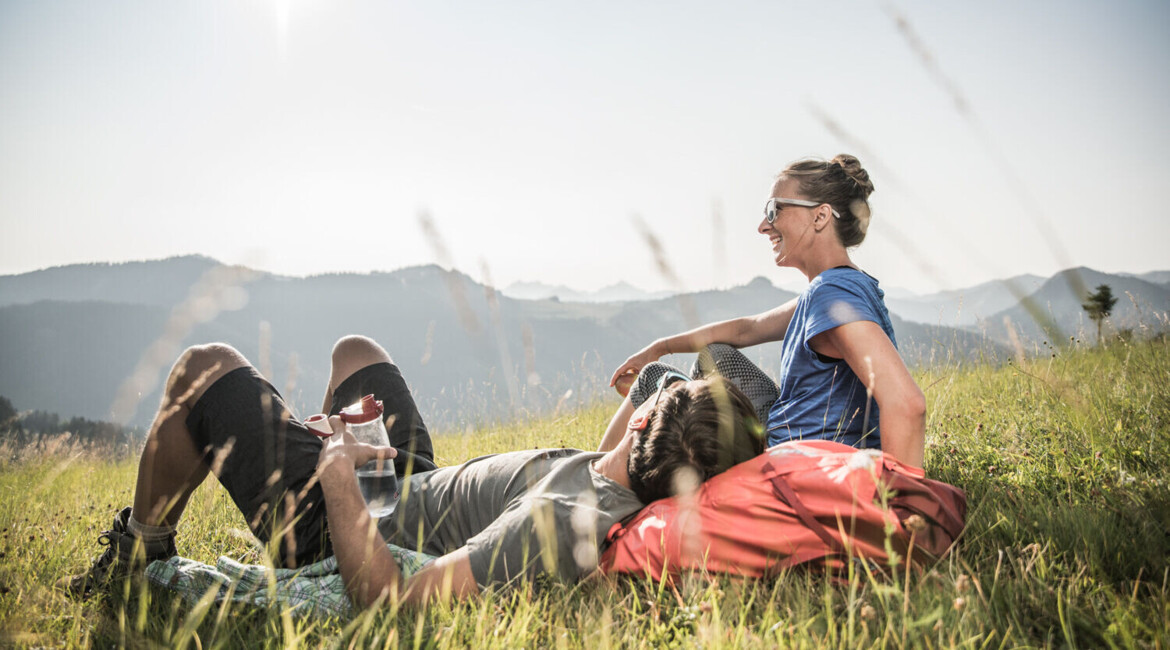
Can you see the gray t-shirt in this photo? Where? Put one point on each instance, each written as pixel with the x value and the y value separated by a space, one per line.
pixel 518 513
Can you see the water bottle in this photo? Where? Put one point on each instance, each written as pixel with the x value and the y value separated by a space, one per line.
pixel 376 479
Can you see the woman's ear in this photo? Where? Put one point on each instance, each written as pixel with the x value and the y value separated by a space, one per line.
pixel 821 219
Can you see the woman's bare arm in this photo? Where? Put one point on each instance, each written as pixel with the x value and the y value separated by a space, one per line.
pixel 871 355
pixel 738 332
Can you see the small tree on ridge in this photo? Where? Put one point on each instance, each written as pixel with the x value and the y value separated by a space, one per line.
pixel 7 411
pixel 1100 305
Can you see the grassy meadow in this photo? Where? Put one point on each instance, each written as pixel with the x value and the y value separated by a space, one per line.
pixel 1064 456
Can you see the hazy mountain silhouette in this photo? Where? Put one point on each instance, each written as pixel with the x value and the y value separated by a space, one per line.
pixel 71 337
pixel 1156 277
pixel 898 293
pixel 964 307
pixel 619 292
pixel 160 282
pixel 539 291
pixel 1141 306
pixel 70 357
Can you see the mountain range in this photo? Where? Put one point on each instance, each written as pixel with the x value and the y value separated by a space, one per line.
pixel 619 292
pixel 96 340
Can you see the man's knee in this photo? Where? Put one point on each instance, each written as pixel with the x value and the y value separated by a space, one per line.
pixel 647 381
pixel 721 352
pixel 198 367
pixel 716 357
pixel 352 353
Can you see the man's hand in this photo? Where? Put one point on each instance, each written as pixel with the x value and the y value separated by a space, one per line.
pixel 342 450
pixel 365 563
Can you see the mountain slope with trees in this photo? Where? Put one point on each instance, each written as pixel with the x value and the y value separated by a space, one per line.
pixel 101 347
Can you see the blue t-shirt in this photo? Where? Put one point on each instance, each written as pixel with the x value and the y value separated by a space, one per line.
pixel 820 397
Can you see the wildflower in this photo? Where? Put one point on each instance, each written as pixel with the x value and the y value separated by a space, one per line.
pixel 960 603
pixel 914 523
pixel 962 584
pixel 868 612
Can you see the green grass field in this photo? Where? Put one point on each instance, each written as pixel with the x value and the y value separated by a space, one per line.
pixel 1064 459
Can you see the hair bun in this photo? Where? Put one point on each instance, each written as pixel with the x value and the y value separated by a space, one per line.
pixel 853 169
pixel 842 183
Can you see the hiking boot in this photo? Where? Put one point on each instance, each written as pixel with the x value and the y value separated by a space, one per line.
pixel 124 555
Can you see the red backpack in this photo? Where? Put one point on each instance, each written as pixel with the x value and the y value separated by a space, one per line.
pixel 798 502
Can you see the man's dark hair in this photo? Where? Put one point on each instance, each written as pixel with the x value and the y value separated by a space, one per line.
pixel 702 426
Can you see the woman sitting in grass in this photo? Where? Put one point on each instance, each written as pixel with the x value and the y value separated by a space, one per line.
pixel 838 343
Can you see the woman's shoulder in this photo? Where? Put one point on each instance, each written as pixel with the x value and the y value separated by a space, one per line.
pixel 843 295
pixel 845 278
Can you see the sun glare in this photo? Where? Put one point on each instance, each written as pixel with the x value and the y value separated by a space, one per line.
pixel 282 12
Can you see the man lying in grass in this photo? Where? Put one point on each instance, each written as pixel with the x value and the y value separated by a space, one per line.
pixel 492 520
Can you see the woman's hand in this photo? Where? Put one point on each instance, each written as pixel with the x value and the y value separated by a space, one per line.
pixel 345 451
pixel 634 364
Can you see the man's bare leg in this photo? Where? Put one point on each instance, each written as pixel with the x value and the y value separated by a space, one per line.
pixel 171 467
pixel 351 354
pixel 348 382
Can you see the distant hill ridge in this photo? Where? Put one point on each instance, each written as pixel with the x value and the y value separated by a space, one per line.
pixel 618 292
pixel 1141 306
pixel 70 337
pixel 964 307
pixel 156 282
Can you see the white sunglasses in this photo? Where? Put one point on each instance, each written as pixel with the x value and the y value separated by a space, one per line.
pixel 772 207
pixel 668 379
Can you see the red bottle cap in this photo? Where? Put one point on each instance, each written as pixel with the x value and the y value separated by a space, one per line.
pixel 318 425
pixel 363 411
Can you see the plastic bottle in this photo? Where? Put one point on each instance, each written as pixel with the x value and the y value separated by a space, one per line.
pixel 376 479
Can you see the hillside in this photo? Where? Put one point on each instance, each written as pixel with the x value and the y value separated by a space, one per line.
pixel 1141 306
pixel 619 292
pixel 72 339
pixel 964 307
pixel 1156 277
pixel 162 282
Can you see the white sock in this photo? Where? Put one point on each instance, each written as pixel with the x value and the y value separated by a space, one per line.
pixel 149 534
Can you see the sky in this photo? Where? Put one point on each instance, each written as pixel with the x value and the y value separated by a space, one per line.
pixel 550 141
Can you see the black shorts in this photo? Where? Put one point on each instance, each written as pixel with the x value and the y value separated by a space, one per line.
pixel 265 457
